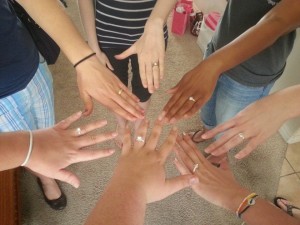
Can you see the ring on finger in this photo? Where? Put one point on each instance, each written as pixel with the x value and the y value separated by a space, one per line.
pixel 139 139
pixel 78 131
pixel 155 64
pixel 242 136
pixel 120 91
pixel 196 166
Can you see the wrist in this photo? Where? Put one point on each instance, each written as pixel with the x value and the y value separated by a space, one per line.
pixel 236 199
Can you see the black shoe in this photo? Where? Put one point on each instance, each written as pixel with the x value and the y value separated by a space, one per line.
pixel 56 204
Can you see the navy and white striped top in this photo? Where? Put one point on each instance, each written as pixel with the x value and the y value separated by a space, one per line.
pixel 120 23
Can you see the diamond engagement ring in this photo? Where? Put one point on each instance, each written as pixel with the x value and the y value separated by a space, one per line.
pixel 192 99
pixel 78 131
pixel 241 135
pixel 120 91
pixel 196 166
pixel 140 139
pixel 155 64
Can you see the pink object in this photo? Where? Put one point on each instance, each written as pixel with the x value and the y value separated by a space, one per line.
pixel 181 14
pixel 211 20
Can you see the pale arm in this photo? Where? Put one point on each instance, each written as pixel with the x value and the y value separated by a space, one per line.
pixel 200 81
pixel 95 81
pixel 257 122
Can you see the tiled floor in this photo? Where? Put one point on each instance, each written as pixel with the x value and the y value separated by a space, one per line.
pixel 289 186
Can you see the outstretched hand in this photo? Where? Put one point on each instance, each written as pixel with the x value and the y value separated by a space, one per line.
pixel 255 124
pixel 143 164
pixel 150 49
pixel 57 147
pixel 191 93
pixel 97 82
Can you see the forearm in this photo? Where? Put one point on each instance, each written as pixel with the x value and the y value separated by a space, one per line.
pixel 160 12
pixel 13 149
pixel 282 19
pixel 87 13
pixel 122 203
pixel 59 26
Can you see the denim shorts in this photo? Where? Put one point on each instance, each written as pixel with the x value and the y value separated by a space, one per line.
pixel 31 108
pixel 229 98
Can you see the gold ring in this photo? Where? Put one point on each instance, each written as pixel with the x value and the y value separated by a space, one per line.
pixel 155 64
pixel 120 91
pixel 241 135
pixel 196 166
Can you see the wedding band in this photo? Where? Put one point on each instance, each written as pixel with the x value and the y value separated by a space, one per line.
pixel 155 64
pixel 140 139
pixel 192 99
pixel 78 131
pixel 196 166
pixel 241 135
pixel 120 91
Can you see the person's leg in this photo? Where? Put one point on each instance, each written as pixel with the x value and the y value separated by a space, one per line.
pixel 121 71
pixel 30 109
pixel 138 89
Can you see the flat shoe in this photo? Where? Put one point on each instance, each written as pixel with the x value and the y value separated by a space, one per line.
pixel 56 204
pixel 289 208
pixel 197 133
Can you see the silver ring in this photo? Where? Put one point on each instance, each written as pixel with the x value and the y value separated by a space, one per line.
pixel 241 135
pixel 192 99
pixel 155 64
pixel 196 166
pixel 140 139
pixel 78 131
pixel 120 91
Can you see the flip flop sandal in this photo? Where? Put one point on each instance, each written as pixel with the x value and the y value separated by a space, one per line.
pixel 289 208
pixel 198 133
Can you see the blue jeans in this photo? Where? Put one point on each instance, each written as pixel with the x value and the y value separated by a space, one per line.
pixel 229 98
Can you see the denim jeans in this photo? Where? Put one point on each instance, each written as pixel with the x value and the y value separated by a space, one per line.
pixel 229 98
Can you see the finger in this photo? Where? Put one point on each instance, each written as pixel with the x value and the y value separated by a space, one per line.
pixel 154 136
pixel 172 105
pixel 141 134
pixel 109 66
pixel 250 147
pixel 88 155
pixel 178 183
pixel 64 124
pixel 196 107
pixel 149 77
pixel 129 93
pixel 126 141
pixel 188 147
pixel 181 167
pixel 130 51
pixel 142 68
pixel 88 127
pixel 183 156
pixel 90 140
pixel 88 104
pixel 219 129
pixel 186 105
pixel 194 148
pixel 168 144
pixel 68 177
pixel 156 76
pixel 161 66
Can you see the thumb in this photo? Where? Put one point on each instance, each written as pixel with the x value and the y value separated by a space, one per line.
pixel 130 51
pixel 88 104
pixel 177 183
pixel 68 177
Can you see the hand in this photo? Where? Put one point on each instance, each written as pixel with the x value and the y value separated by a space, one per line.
pixel 103 58
pixel 254 124
pixel 216 185
pixel 150 49
pixel 57 147
pixel 96 81
pixel 143 164
pixel 197 84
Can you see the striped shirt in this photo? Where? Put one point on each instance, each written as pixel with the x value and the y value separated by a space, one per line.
pixel 120 23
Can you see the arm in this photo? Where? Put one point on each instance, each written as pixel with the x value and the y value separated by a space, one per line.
pixel 54 148
pixel 219 187
pixel 139 178
pixel 150 47
pixel 200 81
pixel 257 122
pixel 87 13
pixel 94 80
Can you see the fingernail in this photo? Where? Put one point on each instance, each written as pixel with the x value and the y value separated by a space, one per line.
pixel 115 134
pixel 183 133
pixel 194 180
pixel 111 151
pixel 175 159
pixel 161 116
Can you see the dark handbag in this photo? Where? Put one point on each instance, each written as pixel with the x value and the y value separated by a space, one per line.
pixel 45 44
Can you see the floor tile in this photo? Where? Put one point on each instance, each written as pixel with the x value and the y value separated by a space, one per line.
pixel 286 168
pixel 289 188
pixel 293 156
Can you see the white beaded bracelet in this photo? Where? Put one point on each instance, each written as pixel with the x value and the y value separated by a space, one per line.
pixel 29 150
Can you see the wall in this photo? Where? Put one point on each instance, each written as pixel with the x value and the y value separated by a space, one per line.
pixel 210 5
